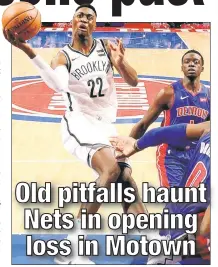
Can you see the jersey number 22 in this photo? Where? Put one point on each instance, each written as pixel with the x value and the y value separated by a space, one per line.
pixel 98 84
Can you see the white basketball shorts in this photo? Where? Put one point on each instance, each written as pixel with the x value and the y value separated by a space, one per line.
pixel 83 135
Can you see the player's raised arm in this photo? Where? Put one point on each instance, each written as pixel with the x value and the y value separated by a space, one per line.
pixel 57 77
pixel 161 102
pixel 119 61
pixel 22 45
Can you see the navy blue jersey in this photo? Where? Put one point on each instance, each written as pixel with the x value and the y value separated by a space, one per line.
pixel 187 107
pixel 198 171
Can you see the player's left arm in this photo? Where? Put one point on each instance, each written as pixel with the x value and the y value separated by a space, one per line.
pixel 117 56
pixel 205 224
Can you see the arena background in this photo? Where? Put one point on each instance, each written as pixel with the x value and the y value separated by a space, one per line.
pixel 155 51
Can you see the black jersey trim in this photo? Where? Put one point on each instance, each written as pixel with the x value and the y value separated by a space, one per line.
pixel 70 100
pixel 68 60
pixel 73 135
pixel 83 144
pixel 91 50
pixel 97 145
pixel 105 49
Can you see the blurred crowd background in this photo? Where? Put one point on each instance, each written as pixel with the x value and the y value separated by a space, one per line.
pixel 165 25
pixel 58 35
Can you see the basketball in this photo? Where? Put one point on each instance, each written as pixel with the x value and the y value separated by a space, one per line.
pixel 22 18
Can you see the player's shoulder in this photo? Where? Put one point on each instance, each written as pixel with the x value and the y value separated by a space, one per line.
pixel 168 90
pixel 101 40
pixel 177 84
pixel 103 43
pixel 61 58
pixel 205 88
pixel 66 48
pixel 165 96
pixel 175 87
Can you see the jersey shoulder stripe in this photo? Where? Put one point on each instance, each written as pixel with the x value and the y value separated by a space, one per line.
pixel 68 60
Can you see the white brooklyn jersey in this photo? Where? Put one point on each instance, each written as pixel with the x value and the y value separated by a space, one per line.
pixel 91 82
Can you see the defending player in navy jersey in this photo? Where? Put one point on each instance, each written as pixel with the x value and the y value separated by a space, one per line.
pixel 83 72
pixel 184 101
pixel 198 171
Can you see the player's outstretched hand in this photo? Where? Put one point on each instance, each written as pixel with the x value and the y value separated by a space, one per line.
pixel 14 40
pixel 124 146
pixel 117 51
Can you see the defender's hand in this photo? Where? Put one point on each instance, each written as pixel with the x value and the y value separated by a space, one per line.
pixel 124 146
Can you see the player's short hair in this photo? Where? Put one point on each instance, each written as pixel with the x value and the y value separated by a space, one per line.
pixel 87 5
pixel 195 52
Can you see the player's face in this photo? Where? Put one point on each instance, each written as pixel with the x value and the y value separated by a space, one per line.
pixel 192 65
pixel 84 22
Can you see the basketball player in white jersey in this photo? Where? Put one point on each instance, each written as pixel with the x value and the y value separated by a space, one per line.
pixel 83 73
